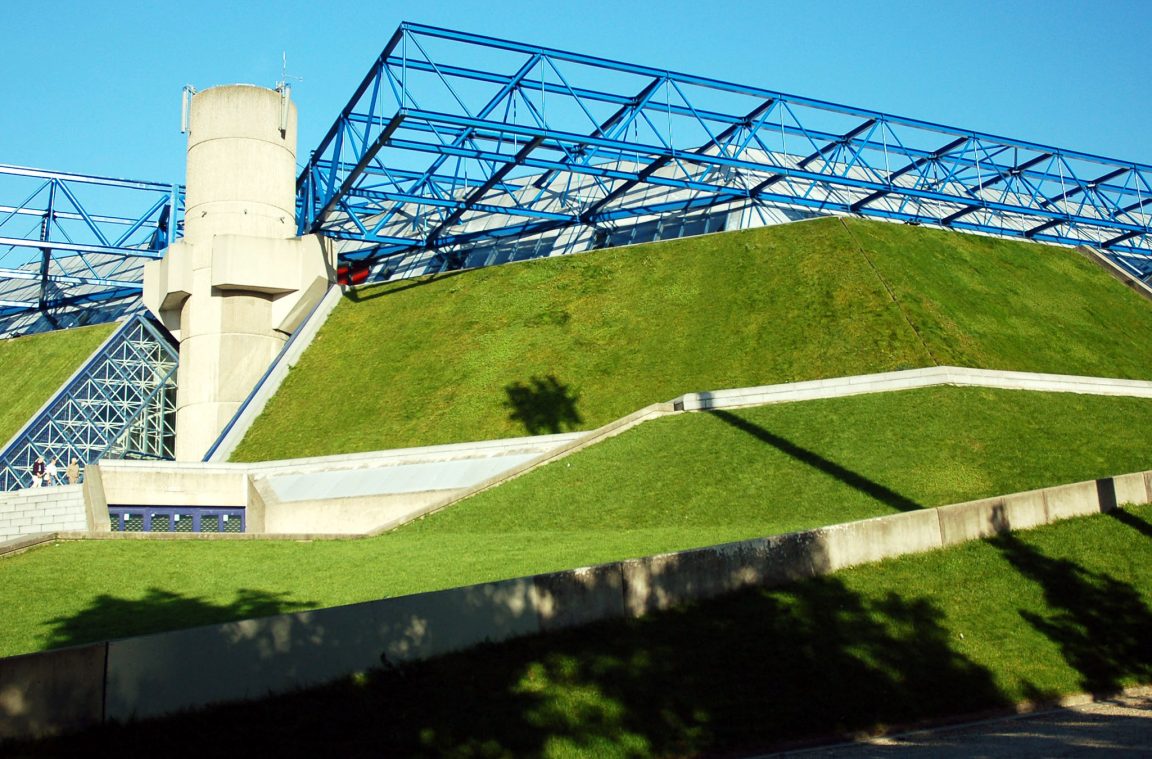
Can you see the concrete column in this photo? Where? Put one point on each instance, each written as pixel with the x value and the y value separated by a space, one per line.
pixel 238 283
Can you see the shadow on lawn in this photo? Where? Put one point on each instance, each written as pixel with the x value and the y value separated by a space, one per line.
pixel 543 405
pixel 741 672
pixel 1101 624
pixel 853 479
pixel 108 617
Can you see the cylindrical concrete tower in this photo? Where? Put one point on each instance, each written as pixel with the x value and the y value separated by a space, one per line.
pixel 241 165
pixel 235 286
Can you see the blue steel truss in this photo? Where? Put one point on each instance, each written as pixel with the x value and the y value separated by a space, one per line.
pixel 72 240
pixel 120 404
pixel 453 139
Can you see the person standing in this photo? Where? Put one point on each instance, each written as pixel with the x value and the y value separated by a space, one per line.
pixel 52 472
pixel 38 469
pixel 72 473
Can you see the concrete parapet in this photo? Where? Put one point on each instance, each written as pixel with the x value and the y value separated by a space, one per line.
pixel 166 672
pixel 52 692
pixel 660 582
pixel 1080 499
pixel 355 515
pixel 173 484
pixel 578 596
pixel 20 544
pixel 839 387
pixel 1131 489
pixel 846 545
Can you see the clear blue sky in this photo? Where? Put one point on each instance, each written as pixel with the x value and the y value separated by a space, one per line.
pixel 93 86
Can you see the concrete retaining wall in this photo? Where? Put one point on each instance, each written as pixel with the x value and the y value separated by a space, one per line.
pixel 158 674
pixel 37 510
pixel 370 493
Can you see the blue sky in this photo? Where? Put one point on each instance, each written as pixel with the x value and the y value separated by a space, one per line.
pixel 94 86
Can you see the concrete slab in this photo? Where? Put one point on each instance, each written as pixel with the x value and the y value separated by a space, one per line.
pixel 579 597
pixel 159 674
pixel 1023 511
pixel 402 478
pixel 1131 489
pixel 52 692
pixel 853 543
pixel 973 520
pixel 1077 500
pixel 661 582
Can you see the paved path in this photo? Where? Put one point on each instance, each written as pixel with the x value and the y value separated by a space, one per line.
pixel 1117 727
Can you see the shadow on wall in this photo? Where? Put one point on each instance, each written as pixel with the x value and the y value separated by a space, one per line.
pixel 756 666
pixel 737 673
pixel 543 405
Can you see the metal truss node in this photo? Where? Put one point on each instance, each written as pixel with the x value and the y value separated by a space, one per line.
pixel 454 141
pixel 120 404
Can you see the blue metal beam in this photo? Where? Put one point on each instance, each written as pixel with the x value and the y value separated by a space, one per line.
pixel 416 163
pixel 80 237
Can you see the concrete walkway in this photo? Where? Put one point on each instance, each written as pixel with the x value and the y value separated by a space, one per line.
pixel 1120 726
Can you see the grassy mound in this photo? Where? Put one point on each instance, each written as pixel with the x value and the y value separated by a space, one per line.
pixel 1033 615
pixel 573 342
pixel 675 483
pixel 34 367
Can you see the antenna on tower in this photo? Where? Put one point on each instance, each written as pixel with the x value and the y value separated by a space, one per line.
pixel 186 107
pixel 285 90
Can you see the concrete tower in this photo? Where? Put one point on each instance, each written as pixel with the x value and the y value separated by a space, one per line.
pixel 240 281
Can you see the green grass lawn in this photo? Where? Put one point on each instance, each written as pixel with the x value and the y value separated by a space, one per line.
pixel 674 483
pixel 34 367
pixel 574 342
pixel 1029 616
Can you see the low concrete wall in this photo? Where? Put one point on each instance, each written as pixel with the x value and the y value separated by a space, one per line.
pixel 168 483
pixel 45 509
pixel 52 692
pixel 911 379
pixel 377 506
pixel 344 516
pixel 158 674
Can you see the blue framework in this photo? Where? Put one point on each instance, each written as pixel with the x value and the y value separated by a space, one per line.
pixel 452 139
pixel 120 404
pixel 73 240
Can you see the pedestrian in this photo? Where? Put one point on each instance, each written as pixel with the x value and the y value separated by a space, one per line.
pixel 52 472
pixel 73 472
pixel 38 472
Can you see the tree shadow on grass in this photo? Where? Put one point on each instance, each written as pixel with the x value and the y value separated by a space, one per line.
pixel 1101 624
pixel 1133 521
pixel 543 405
pixel 741 672
pixel 107 616
pixel 849 477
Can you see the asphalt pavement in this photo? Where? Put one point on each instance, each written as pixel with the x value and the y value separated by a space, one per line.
pixel 1120 726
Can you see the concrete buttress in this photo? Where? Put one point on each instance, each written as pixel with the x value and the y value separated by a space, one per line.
pixel 234 288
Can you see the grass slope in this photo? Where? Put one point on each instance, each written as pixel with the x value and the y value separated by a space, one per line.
pixel 33 367
pixel 573 342
pixel 675 483
pixel 1034 615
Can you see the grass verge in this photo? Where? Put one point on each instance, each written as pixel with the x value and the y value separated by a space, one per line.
pixel 680 482
pixel 34 367
pixel 1028 616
